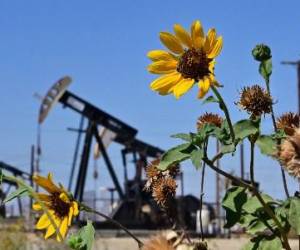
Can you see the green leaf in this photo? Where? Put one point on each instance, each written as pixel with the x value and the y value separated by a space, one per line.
pixel 265 69
pixel 270 244
pixel 245 128
pixel 183 136
pixel 175 155
pixel 250 246
pixel 247 219
pixel 294 214
pixel 253 204
pixel 210 99
pixel 267 145
pixel 223 134
pixel 84 239
pixel 280 134
pixel 234 198
pixel 258 226
pixel 196 157
pixel 225 149
pixel 263 243
pixel 20 192
pixel 231 218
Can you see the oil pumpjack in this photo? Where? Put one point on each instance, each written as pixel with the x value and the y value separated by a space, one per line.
pixel 135 209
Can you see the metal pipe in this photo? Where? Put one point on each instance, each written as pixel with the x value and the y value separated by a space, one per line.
pixel 75 156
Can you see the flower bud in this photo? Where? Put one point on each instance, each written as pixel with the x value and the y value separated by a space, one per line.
pixel 261 52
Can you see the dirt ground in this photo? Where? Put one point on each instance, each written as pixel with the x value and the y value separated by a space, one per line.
pixel 16 240
pixel 214 244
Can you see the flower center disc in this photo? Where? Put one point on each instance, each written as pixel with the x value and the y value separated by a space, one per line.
pixel 60 207
pixel 194 64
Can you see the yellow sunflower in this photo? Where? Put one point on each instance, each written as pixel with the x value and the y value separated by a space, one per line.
pixel 190 60
pixel 60 206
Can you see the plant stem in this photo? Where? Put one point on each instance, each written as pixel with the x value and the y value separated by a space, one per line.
pixel 90 210
pixel 273 216
pixel 278 142
pixel 252 163
pixel 227 175
pixel 224 108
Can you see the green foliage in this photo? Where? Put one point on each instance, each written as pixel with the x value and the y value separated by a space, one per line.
pixel 83 240
pixel 210 99
pixel 258 226
pixel 234 198
pixel 225 149
pixel 245 128
pixel 252 205
pixel 294 214
pixel 263 243
pixel 20 192
pixel 175 155
pixel 246 210
pixel 183 136
pixel 196 157
pixel 233 202
pixel 267 145
pixel 265 69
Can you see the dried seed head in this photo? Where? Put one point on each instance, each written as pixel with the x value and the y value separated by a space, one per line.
pixel 164 190
pixel 288 122
pixel 151 169
pixel 209 118
pixel 158 242
pixel 289 154
pixel 255 100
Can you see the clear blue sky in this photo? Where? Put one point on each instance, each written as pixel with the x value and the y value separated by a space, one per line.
pixel 102 45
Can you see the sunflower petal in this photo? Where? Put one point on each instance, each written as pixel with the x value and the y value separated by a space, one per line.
pixel 70 216
pixel 36 206
pixel 211 66
pixel 183 35
pixel 197 34
pixel 64 197
pixel 75 207
pixel 182 87
pixel 162 67
pixel 46 183
pixel 50 231
pixel 216 49
pixel 209 40
pixel 43 222
pixel 44 197
pixel 171 42
pixel 164 81
pixel 63 228
pixel 161 55
pixel 169 88
pixel 203 87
